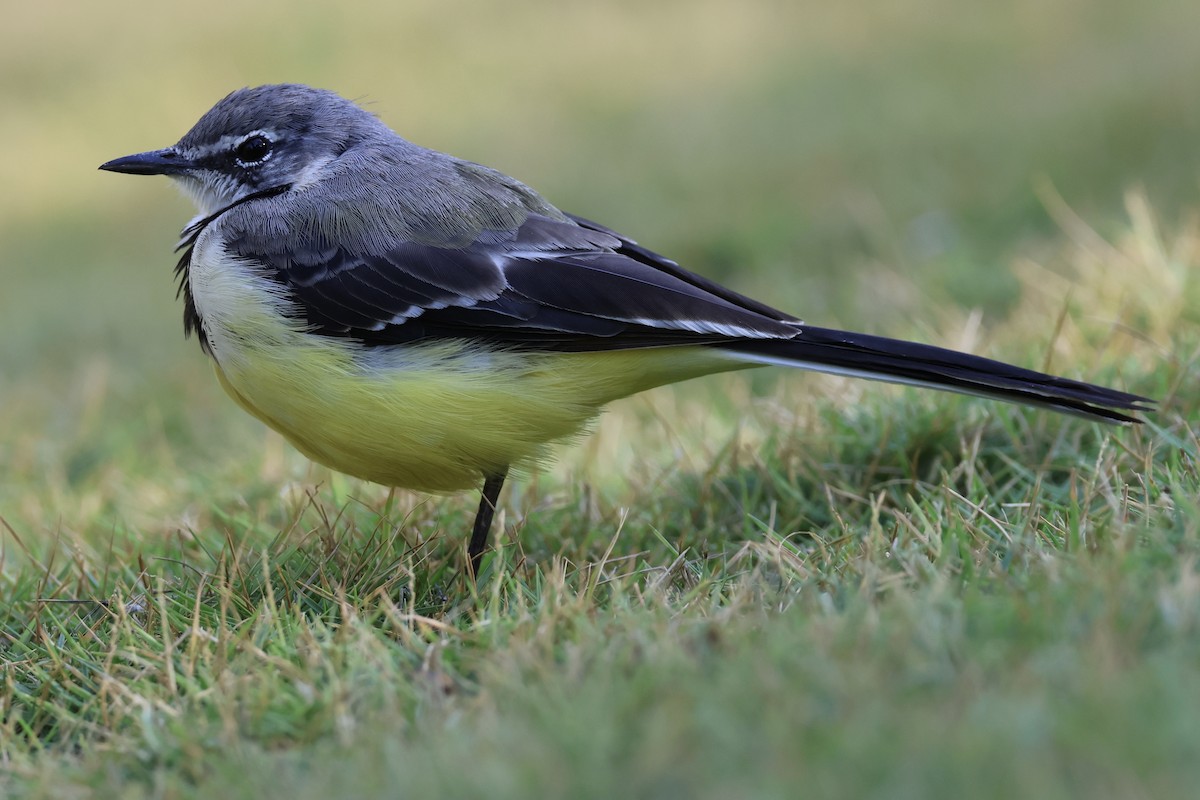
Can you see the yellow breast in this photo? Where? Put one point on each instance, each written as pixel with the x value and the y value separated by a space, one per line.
pixel 439 416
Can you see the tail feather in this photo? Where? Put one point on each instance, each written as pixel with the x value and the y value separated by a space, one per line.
pixel 879 358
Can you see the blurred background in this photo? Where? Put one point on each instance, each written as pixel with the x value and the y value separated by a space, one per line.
pixel 867 164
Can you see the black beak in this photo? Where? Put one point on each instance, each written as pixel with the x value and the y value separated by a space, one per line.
pixel 156 162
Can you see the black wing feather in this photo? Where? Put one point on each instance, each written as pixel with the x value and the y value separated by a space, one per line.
pixel 631 249
pixel 613 286
pixel 550 284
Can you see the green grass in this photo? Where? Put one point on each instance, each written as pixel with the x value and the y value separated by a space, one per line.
pixel 918 596
pixel 765 585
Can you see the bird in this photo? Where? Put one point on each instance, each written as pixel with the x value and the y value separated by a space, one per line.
pixel 426 322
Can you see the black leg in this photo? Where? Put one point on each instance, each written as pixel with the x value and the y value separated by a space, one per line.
pixel 483 519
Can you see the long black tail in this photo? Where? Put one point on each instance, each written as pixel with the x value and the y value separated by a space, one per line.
pixel 878 358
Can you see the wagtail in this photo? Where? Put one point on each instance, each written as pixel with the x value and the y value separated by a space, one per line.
pixel 420 321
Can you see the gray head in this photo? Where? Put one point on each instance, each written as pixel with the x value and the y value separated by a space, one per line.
pixel 257 140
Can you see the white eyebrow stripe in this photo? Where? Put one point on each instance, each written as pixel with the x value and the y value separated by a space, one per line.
pixel 227 143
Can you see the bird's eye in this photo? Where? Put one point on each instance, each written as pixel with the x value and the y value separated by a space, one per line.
pixel 253 150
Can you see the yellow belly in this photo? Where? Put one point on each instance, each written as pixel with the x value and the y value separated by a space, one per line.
pixel 438 417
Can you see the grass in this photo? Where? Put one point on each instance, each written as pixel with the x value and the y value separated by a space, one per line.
pixel 917 596
pixel 762 585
